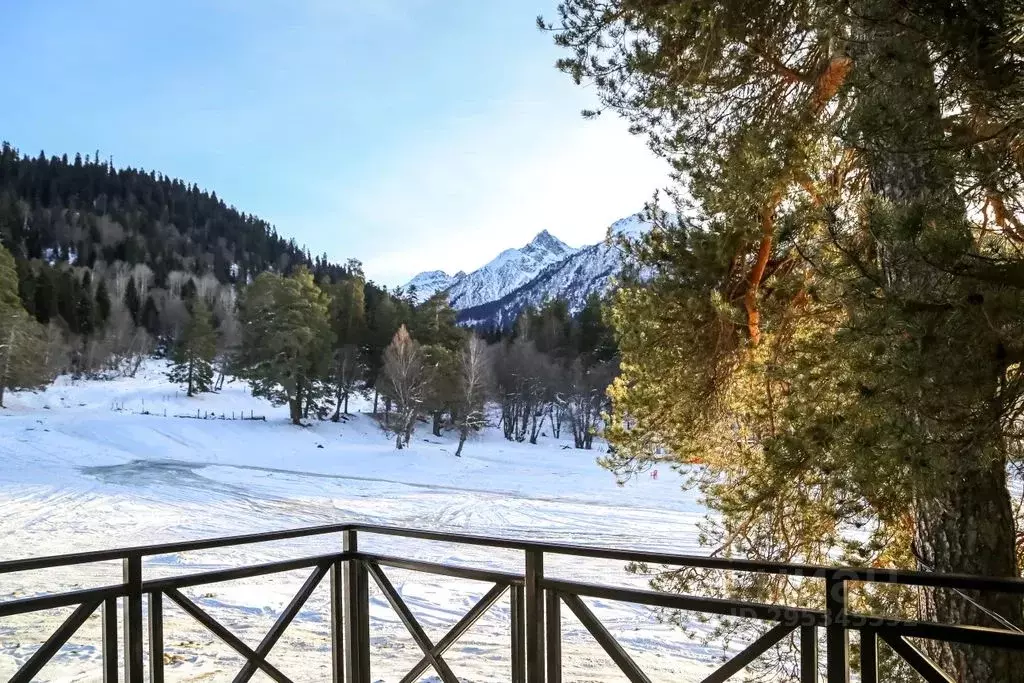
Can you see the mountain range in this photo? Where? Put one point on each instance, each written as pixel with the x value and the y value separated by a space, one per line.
pixel 545 268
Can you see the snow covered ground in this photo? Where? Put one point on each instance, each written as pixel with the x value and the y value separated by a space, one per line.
pixel 82 467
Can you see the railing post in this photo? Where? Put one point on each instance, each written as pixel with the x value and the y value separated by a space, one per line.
pixel 110 640
pixel 518 608
pixel 133 654
pixel 357 614
pixel 837 638
pixel 554 637
pixel 534 616
pixel 808 654
pixel 868 656
pixel 156 637
pixel 337 580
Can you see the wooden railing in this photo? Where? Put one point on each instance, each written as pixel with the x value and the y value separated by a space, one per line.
pixel 536 603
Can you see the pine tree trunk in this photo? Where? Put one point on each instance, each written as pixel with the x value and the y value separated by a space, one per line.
pixel 376 395
pixel 295 405
pixel 7 366
pixel 437 421
pixel 967 527
pixel 337 406
pixel 191 365
pixel 962 515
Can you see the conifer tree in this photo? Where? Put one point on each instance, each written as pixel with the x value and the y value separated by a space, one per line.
pixel 348 322
pixel 22 343
pixel 46 295
pixel 194 352
pixel 433 323
pixel 102 302
pixel 131 300
pixel 286 340
pixel 838 342
pixel 150 317
pixel 442 367
pixel 383 321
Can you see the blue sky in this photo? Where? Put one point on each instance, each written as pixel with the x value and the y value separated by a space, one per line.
pixel 410 134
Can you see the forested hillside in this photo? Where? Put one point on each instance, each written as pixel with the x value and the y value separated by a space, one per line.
pixel 86 211
pixel 110 263
pixel 101 267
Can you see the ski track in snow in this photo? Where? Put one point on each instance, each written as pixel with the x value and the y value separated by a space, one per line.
pixel 79 475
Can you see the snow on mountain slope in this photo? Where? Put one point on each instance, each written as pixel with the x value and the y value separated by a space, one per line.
pixel 585 271
pixel 510 269
pixel 430 282
pixel 544 269
pixel 90 465
pixel 591 269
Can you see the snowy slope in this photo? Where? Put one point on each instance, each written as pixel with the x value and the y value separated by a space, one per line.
pixel 587 270
pixel 506 272
pixel 432 281
pixel 90 465
pixel 544 269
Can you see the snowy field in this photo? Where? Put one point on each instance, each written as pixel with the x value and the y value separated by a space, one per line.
pixel 84 469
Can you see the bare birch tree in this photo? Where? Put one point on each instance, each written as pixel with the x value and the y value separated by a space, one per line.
pixel 406 382
pixel 475 383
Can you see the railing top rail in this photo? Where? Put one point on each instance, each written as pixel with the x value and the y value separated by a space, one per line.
pixel 906 577
pixel 910 628
pixel 860 574
pixel 88 557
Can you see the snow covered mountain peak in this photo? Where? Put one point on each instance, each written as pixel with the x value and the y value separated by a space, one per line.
pixel 630 226
pixel 545 241
pixel 545 267
pixel 430 282
pixel 509 270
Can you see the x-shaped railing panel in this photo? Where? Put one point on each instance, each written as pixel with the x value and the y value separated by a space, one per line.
pixel 256 659
pixel 55 642
pixel 432 654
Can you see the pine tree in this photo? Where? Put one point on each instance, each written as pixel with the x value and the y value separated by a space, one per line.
pixel 67 299
pixel 22 344
pixel 150 317
pixel 85 308
pixel 131 300
pixel 442 367
pixel 286 340
pixel 46 306
pixel 348 321
pixel 838 341
pixel 194 352
pixel 102 302
pixel 433 323
pixel 382 323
